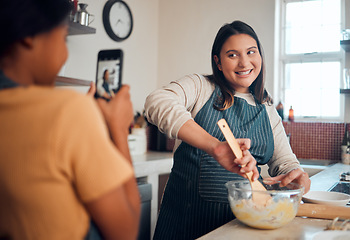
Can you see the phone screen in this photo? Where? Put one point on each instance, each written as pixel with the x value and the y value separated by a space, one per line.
pixel 109 73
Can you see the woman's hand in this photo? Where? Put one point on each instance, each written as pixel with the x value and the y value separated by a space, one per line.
pixel 196 136
pixel 224 155
pixel 118 114
pixel 297 176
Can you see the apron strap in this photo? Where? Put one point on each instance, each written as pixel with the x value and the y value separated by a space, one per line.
pixel 5 82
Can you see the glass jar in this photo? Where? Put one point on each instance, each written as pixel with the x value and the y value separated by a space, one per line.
pixel 345 34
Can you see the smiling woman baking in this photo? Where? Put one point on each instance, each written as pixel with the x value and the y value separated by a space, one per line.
pixel 195 199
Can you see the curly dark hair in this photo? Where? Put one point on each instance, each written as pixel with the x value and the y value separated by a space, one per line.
pixel 35 16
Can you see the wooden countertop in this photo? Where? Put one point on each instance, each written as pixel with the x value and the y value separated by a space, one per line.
pixel 299 228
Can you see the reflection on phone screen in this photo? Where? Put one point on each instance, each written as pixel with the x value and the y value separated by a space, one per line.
pixel 108 76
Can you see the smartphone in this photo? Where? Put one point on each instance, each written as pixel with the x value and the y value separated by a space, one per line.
pixel 108 73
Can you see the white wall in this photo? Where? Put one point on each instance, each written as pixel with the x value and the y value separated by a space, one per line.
pixel 187 29
pixel 170 39
pixel 140 49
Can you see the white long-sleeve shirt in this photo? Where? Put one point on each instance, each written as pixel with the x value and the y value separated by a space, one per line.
pixel 170 107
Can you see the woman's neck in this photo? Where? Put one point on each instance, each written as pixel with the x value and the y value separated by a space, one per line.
pixel 19 76
pixel 17 67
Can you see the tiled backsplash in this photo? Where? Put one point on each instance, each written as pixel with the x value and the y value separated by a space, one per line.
pixel 309 140
pixel 314 140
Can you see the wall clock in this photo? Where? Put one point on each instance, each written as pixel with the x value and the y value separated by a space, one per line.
pixel 117 20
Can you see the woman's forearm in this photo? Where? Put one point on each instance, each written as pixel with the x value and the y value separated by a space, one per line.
pixel 196 136
pixel 120 139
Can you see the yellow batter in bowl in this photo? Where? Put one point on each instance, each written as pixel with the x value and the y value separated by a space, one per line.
pixel 280 210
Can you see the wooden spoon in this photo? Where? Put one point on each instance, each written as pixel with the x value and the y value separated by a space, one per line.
pixel 260 198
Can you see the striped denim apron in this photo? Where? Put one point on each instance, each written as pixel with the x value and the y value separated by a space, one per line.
pixel 195 199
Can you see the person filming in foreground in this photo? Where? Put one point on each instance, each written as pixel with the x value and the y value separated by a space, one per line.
pixel 64 158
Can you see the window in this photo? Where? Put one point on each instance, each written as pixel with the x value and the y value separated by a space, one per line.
pixel 311 59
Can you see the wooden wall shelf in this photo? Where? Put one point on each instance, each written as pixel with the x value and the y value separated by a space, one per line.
pixel 78 29
pixel 345 91
pixel 66 81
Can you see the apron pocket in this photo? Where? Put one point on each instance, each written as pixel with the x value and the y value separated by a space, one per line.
pixel 212 179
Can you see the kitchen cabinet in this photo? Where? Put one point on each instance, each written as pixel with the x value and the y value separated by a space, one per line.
pixel 150 167
pixel 345 91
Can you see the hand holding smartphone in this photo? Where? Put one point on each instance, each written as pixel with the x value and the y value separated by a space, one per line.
pixel 108 73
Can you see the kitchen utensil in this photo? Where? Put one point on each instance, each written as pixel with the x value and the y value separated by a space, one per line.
pixel 327 198
pixel 259 195
pixel 83 17
pixel 313 210
pixel 339 224
pixel 281 209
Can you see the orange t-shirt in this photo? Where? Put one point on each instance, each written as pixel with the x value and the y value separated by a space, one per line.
pixel 55 155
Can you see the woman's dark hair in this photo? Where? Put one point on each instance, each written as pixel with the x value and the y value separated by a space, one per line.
pixel 257 87
pixel 104 75
pixel 25 18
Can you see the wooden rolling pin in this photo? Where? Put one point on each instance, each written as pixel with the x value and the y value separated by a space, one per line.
pixel 312 210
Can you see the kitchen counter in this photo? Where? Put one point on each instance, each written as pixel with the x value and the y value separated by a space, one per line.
pixel 299 228
pixel 152 163
pixel 147 168
pixel 325 179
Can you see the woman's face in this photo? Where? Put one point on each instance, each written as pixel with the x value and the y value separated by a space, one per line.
pixel 240 61
pixel 106 76
pixel 51 53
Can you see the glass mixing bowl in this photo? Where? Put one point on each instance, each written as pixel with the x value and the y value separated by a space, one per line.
pixel 279 210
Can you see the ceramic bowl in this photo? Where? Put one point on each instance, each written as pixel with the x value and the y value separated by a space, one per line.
pixel 281 208
pixel 328 198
